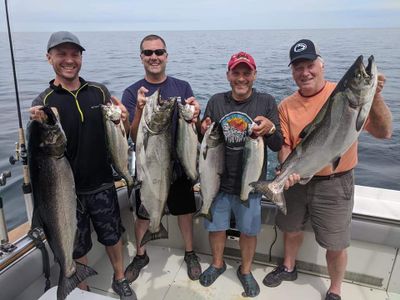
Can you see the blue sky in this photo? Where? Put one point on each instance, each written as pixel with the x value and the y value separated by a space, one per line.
pixel 132 15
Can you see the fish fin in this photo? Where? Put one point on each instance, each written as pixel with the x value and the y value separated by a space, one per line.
pixel 362 116
pixel 166 210
pixel 137 184
pixel 205 152
pixel 148 236
pixel 207 215
pixel 245 203
pixel 67 285
pixel 143 212
pixel 305 130
pixel 305 180
pixel 335 162
pixel 317 120
pixel 36 220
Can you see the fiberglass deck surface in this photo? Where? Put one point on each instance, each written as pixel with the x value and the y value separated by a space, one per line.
pixel 165 278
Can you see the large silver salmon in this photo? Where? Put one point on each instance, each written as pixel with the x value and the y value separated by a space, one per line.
pixel 117 142
pixel 253 162
pixel 187 141
pixel 153 162
pixel 335 128
pixel 211 167
pixel 54 198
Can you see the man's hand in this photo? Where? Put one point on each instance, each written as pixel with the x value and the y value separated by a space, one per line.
pixel 141 98
pixel 195 103
pixel 36 113
pixel 124 111
pixel 292 180
pixel 262 126
pixel 205 124
pixel 381 83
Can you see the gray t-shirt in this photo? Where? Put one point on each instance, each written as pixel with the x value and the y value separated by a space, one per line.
pixel 235 118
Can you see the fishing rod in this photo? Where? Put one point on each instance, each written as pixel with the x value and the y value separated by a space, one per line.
pixel 20 150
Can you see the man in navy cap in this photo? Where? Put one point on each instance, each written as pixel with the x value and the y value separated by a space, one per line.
pixel 87 152
pixel 326 200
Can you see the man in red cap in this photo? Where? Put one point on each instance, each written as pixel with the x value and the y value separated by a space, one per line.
pixel 240 112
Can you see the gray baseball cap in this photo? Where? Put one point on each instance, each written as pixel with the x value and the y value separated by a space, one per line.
pixel 61 37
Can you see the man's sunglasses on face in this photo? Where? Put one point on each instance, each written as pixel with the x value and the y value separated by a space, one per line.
pixel 157 52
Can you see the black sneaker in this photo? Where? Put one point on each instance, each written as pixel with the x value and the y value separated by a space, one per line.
pixel 193 265
pixel 332 296
pixel 133 269
pixel 122 288
pixel 280 273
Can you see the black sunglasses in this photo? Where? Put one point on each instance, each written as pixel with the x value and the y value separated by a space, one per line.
pixel 157 52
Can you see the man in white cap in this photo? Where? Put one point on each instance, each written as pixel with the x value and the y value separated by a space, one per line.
pixel 327 200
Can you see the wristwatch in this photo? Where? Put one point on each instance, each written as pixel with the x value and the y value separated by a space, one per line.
pixel 271 131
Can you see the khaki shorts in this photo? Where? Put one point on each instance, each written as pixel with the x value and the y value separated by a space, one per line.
pixel 327 203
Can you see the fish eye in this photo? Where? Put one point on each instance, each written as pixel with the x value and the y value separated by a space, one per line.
pixel 358 75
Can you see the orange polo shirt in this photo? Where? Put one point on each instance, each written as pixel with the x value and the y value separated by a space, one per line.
pixel 297 111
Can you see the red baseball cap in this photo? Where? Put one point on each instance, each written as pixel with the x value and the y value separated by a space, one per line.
pixel 241 57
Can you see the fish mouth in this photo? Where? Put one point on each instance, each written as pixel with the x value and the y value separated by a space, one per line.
pixel 51 117
pixel 368 69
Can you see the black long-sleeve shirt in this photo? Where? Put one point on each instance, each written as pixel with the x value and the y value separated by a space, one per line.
pixel 84 129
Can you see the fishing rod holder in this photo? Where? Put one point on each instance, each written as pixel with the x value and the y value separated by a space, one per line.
pixel 18 154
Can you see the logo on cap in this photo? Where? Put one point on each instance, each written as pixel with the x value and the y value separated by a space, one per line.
pixel 300 47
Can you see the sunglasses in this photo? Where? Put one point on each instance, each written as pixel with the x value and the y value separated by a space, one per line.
pixel 157 52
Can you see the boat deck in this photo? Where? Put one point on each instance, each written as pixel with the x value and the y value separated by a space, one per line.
pixel 165 278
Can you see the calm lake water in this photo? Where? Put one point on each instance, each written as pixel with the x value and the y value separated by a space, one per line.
pixel 200 57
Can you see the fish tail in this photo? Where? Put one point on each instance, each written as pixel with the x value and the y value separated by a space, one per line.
pixel 207 215
pixel 277 198
pixel 262 187
pixel 148 236
pixel 67 285
pixel 245 203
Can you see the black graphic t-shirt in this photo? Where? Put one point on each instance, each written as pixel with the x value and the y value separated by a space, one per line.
pixel 236 119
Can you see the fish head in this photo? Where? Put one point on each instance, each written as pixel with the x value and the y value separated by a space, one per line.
pixel 186 111
pixel 47 137
pixel 111 112
pixel 359 82
pixel 158 112
pixel 215 136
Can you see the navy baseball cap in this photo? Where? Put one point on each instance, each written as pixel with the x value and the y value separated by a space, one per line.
pixel 61 37
pixel 303 49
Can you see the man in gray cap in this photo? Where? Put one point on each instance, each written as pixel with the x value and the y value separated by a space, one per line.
pixel 327 199
pixel 87 152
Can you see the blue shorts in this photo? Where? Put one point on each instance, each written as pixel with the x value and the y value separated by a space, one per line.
pixel 248 219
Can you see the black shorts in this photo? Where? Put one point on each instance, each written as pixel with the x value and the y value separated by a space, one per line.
pixel 180 200
pixel 103 209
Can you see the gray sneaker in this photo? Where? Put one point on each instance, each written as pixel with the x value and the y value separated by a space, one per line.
pixel 122 288
pixel 193 265
pixel 133 269
pixel 280 273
